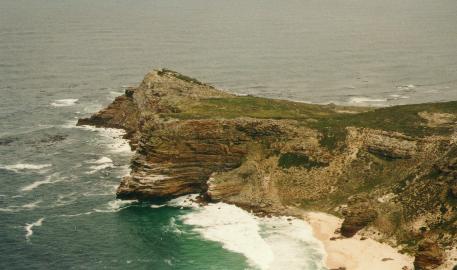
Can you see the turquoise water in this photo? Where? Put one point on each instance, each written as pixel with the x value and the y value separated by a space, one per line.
pixel 83 226
pixel 61 60
pixel 58 210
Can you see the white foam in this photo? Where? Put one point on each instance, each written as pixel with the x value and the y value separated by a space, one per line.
pixel 100 167
pixel 173 227
pixel 77 215
pixel 267 243
pixel 29 227
pixel 406 87
pixel 292 243
pixel 115 94
pixel 115 142
pixel 124 171
pixel 168 261
pixel 92 108
pixel 115 206
pixel 64 102
pixel 366 100
pixel 48 180
pixel 186 201
pixel 110 137
pixel 102 160
pixel 25 166
pixel 395 96
pixel 65 199
pixel 108 190
pixel 236 229
pixel 155 206
pixel 299 101
pixel 27 206
pixel 31 205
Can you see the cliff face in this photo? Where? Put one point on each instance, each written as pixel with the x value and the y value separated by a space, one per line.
pixel 394 169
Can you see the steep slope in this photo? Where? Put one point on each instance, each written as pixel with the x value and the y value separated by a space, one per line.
pixel 392 169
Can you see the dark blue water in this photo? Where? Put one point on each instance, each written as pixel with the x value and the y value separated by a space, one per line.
pixel 61 60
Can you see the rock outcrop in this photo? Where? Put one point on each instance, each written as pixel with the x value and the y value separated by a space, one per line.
pixel 429 256
pixel 356 217
pixel 393 169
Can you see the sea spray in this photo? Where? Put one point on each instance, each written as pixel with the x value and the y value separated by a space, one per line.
pixel 236 229
pixel 64 102
pixel 292 243
pixel 112 138
pixel 267 243
pixel 100 164
pixel 115 206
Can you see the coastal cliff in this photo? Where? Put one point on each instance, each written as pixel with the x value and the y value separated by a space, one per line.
pixel 391 173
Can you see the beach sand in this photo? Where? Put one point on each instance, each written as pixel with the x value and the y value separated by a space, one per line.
pixel 353 253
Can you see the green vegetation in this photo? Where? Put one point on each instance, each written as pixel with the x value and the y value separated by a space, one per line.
pixel 255 107
pixel 330 120
pixel 403 119
pixel 288 160
pixel 179 76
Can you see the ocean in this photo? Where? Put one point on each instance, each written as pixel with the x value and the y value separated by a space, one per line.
pixel 62 60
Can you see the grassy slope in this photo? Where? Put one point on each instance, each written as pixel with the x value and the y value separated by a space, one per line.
pixel 331 121
pixel 328 119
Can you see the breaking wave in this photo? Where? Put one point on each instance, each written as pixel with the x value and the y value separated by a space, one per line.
pixel 366 101
pixel 267 243
pixel 29 227
pixel 115 206
pixel 24 166
pixel 110 137
pixel 27 206
pixel 51 179
pixel 102 163
pixel 64 102
pixel 236 229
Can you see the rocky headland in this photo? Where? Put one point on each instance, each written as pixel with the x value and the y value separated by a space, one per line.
pixel 389 173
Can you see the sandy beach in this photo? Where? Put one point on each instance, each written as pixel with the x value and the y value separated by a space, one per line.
pixel 353 253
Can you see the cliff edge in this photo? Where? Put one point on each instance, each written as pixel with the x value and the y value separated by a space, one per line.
pixel 391 173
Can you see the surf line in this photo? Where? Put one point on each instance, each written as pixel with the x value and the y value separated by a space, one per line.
pixel 29 227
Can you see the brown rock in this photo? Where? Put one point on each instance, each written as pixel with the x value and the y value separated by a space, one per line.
pixel 181 148
pixel 428 256
pixel 454 189
pixel 357 217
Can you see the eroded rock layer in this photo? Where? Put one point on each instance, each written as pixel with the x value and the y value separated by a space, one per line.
pixel 392 169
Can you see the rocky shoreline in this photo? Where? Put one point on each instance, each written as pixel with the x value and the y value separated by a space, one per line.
pixel 390 169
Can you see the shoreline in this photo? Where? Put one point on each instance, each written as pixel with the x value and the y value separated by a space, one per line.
pixel 257 153
pixel 353 253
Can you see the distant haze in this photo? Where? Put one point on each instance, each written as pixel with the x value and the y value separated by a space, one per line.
pixel 318 50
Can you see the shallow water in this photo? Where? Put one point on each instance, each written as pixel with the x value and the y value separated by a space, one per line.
pixel 61 60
